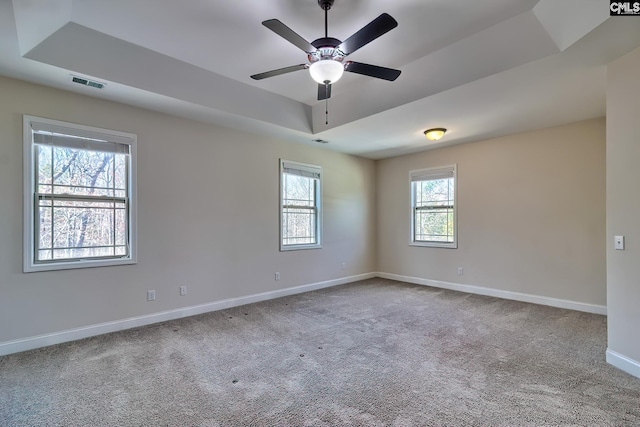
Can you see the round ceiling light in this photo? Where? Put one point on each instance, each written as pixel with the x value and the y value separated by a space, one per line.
pixel 326 71
pixel 435 133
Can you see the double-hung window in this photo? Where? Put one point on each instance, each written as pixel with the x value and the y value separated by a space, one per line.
pixel 433 207
pixel 300 205
pixel 79 199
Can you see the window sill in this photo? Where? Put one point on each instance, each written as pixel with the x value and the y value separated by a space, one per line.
pixel 453 245
pixel 68 265
pixel 298 247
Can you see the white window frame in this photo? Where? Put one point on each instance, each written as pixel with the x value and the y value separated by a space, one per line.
pixel 448 171
pixel 93 135
pixel 308 170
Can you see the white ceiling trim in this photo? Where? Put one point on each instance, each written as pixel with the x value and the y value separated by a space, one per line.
pixel 459 71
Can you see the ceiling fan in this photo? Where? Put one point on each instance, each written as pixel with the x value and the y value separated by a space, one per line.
pixel 327 55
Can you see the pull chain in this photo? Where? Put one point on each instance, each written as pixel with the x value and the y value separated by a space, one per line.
pixel 326 103
pixel 326 111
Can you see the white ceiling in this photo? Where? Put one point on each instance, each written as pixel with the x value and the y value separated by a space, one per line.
pixel 480 68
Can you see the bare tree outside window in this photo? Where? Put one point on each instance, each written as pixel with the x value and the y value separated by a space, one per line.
pixel 82 203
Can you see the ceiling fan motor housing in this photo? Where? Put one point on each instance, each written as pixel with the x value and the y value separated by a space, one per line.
pixel 325 4
pixel 326 49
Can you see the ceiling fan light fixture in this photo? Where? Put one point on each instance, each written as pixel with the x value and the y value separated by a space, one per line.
pixel 434 134
pixel 326 71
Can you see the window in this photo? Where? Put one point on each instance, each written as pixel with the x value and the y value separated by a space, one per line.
pixel 433 207
pixel 300 201
pixel 79 199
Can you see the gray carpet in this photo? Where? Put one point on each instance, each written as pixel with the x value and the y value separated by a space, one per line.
pixel 372 353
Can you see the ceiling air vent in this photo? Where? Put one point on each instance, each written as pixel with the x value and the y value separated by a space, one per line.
pixel 87 82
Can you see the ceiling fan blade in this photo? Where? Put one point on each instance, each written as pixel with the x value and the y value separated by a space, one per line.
pixel 288 34
pixel 368 33
pixel 324 92
pixel 372 70
pixel 279 71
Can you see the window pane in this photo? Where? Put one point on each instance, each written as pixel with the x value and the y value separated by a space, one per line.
pixel 120 173
pixel 298 226
pixel 83 253
pixel 298 191
pixel 76 228
pixel 83 172
pixel 81 229
pixel 435 192
pixel 434 210
pixel 121 226
pixel 45 255
pixel 434 225
pixel 299 210
pixel 44 229
pixel 44 169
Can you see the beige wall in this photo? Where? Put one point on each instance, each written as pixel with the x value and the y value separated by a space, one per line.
pixel 623 207
pixel 531 217
pixel 531 214
pixel 207 218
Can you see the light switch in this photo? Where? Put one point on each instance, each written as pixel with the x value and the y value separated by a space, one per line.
pixel 618 243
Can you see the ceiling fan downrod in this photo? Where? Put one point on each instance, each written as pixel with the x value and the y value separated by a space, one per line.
pixel 326 5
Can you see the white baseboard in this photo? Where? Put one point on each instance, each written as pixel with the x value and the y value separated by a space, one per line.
pixel 517 296
pixel 624 363
pixel 31 343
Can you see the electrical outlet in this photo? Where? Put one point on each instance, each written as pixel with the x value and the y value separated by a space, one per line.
pixel 277 275
pixel 151 295
pixel 343 265
pixel 183 290
pixel 460 271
